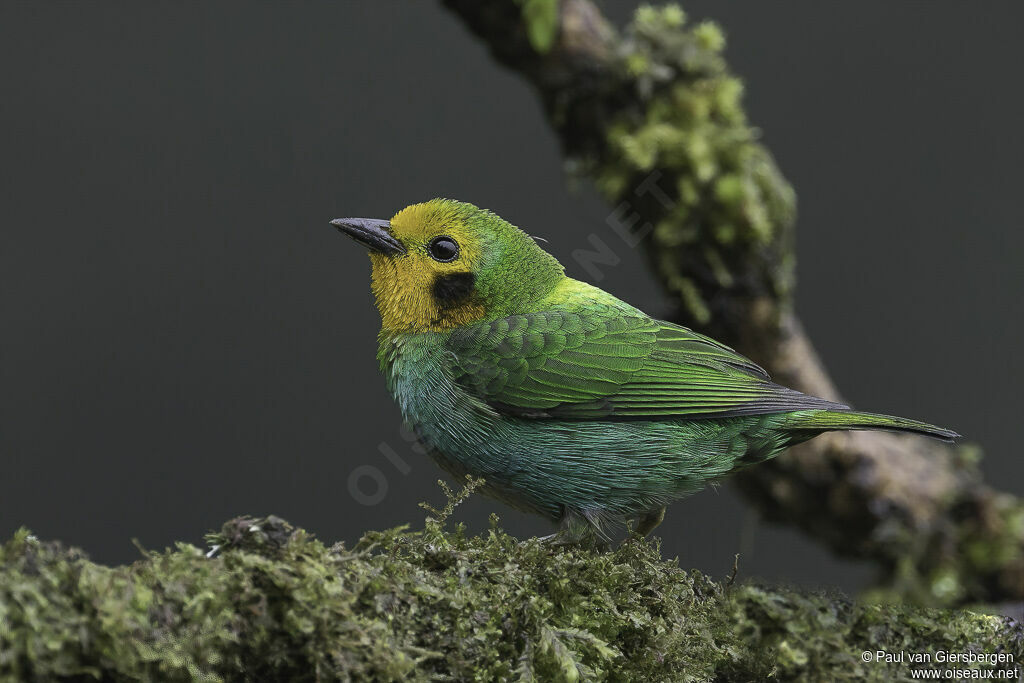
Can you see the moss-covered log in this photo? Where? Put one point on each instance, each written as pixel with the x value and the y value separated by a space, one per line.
pixel 654 117
pixel 271 603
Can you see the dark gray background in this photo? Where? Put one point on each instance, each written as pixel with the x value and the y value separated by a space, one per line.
pixel 186 339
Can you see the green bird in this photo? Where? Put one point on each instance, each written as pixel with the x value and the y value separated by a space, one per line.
pixel 567 401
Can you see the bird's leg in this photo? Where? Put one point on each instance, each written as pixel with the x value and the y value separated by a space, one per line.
pixel 576 529
pixel 649 520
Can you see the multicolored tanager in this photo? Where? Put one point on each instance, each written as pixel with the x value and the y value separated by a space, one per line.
pixel 567 401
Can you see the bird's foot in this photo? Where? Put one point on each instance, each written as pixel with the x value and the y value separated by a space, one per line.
pixel 562 541
pixel 578 535
pixel 648 522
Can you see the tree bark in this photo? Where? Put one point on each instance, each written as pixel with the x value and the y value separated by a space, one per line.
pixel 654 118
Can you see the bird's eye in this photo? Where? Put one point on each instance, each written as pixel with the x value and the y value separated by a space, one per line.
pixel 443 249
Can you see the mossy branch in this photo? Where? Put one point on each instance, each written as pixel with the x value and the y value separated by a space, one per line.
pixel 273 604
pixel 654 117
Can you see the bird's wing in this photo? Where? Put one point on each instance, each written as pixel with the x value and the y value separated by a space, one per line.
pixel 610 363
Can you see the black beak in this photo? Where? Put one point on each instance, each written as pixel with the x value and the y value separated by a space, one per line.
pixel 372 233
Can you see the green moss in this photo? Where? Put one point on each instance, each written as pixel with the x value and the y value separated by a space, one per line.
pixel 270 602
pixel 981 558
pixel 723 188
pixel 540 17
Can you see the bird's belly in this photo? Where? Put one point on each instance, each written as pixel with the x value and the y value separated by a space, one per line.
pixel 546 466
pixel 618 467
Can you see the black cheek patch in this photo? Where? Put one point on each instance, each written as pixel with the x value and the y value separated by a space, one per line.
pixel 453 289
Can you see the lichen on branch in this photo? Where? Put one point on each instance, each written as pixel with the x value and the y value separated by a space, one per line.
pixel 682 153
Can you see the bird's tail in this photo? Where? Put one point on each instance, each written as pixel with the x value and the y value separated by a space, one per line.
pixel 830 420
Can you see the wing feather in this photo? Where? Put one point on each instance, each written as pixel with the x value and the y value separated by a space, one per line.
pixel 611 362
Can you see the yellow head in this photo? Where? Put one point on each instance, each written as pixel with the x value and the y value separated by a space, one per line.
pixel 444 264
